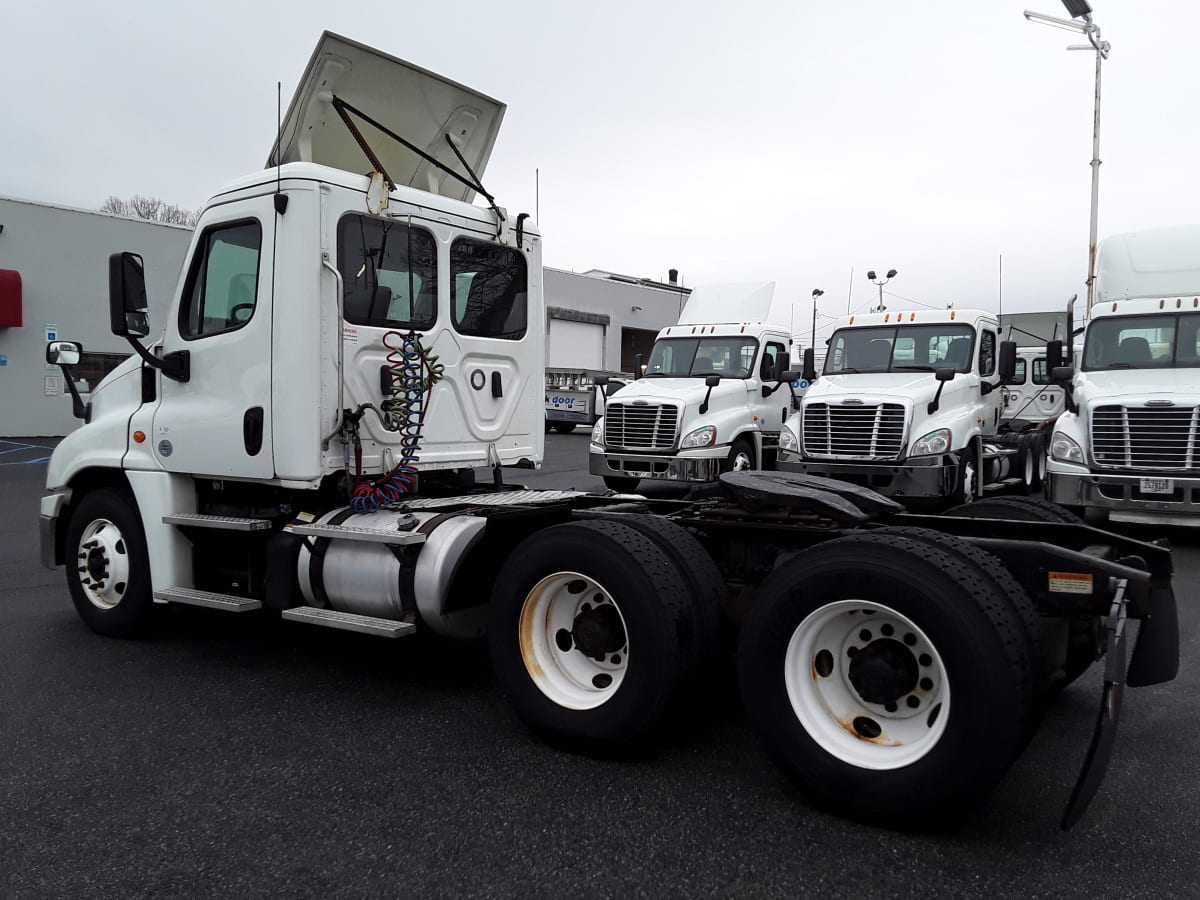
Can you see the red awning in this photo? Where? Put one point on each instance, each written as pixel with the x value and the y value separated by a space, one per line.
pixel 10 298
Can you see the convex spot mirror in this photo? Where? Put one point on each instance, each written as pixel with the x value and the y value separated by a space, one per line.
pixel 64 353
pixel 1062 374
pixel 127 304
pixel 944 374
pixel 712 380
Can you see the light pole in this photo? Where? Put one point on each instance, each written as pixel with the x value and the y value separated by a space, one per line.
pixel 1081 9
pixel 881 282
pixel 817 292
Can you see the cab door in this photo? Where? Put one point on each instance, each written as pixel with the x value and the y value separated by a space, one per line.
pixel 218 422
pixel 992 402
pixel 773 410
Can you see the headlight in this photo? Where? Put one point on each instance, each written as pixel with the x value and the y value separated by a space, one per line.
pixel 598 432
pixel 788 440
pixel 1064 449
pixel 933 444
pixel 701 437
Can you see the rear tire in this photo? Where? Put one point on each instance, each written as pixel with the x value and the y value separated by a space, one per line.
pixel 621 485
pixel 592 631
pixel 939 704
pixel 563 427
pixel 108 568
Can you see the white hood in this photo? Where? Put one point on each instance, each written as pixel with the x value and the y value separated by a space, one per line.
pixel 1114 384
pixel 877 387
pixel 420 106
pixel 681 391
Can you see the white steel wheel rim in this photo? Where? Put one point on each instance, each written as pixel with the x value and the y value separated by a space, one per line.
pixel 1029 464
pixel 741 461
pixel 567 621
pixel 102 559
pixel 825 687
pixel 968 481
pixel 1041 463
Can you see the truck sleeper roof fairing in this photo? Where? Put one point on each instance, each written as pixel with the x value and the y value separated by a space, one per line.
pixel 1157 262
pixel 725 304
pixel 420 106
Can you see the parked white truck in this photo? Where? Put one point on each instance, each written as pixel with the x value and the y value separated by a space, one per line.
pixel 712 398
pixel 344 349
pixel 1128 445
pixel 910 405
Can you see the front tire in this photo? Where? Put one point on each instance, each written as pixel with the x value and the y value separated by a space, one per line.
pixel 563 427
pixel 741 457
pixel 888 678
pixel 108 568
pixel 968 476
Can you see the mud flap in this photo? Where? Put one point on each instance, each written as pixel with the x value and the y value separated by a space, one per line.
pixel 1105 734
pixel 1156 651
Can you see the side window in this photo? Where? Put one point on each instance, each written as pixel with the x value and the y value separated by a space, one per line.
pixel 1040 375
pixel 771 358
pixel 389 273
pixel 1020 372
pixel 987 353
pixel 222 286
pixel 488 290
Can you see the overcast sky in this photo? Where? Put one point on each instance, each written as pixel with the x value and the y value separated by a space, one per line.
pixel 784 141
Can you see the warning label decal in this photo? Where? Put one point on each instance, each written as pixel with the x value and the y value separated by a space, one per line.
pixel 1070 583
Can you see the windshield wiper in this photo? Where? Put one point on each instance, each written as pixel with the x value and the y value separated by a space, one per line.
pixel 1121 365
pixel 914 368
pixel 847 369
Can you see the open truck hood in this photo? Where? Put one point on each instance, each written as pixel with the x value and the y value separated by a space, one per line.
pixel 416 104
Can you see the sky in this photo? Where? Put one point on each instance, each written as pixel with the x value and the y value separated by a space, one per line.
pixel 755 141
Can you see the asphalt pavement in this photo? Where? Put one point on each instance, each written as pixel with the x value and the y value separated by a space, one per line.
pixel 236 755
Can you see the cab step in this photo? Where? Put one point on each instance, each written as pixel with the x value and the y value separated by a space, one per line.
pixel 208 599
pixel 332 618
pixel 226 523
pixel 1001 484
pixel 354 533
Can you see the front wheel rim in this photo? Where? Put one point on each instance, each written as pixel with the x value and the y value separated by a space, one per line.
pixel 741 461
pixel 968 481
pixel 573 640
pixel 102 559
pixel 885 711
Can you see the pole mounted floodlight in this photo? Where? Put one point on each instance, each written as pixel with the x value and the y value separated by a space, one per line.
pixel 817 293
pixel 891 273
pixel 1081 9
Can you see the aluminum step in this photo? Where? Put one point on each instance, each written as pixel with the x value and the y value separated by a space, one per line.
pixel 354 533
pixel 332 618
pixel 208 599
pixel 226 523
pixel 1001 485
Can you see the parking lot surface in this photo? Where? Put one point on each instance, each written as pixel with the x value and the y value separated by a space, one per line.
pixel 237 755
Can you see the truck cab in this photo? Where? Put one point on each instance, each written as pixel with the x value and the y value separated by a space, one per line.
pixel 1128 445
pixel 908 404
pixel 711 398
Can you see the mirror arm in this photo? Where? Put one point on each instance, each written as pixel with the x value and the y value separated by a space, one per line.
pixel 933 404
pixel 704 402
pixel 176 366
pixel 79 409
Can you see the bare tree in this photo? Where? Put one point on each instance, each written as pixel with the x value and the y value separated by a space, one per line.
pixel 152 209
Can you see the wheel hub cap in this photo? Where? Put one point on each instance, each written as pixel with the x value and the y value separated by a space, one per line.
pixel 884 671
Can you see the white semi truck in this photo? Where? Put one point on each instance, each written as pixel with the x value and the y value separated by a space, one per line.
pixel 911 404
pixel 712 398
pixel 343 349
pixel 1128 444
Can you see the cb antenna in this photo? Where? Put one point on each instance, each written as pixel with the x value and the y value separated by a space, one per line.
pixel 281 200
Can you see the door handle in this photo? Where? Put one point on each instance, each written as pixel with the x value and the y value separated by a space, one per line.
pixel 252 430
pixel 497 386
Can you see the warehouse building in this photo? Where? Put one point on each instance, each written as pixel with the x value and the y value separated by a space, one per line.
pixel 54 285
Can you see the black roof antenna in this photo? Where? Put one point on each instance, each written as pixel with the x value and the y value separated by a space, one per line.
pixel 281 200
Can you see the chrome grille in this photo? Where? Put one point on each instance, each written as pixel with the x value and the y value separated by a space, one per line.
pixel 628 426
pixel 1155 438
pixel 859 432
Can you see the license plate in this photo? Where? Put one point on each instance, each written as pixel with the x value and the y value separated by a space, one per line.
pixel 1158 486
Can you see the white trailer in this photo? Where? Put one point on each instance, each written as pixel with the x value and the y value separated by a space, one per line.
pixel 343 349
pixel 1128 444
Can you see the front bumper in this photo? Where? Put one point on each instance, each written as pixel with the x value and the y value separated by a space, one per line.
pixel 934 476
pixel 1122 496
pixel 696 466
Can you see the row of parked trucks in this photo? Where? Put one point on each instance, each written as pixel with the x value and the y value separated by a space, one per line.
pixel 344 350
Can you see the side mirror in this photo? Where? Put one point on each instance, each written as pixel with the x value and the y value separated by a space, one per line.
pixel 1008 361
pixel 600 380
pixel 1054 355
pixel 127 306
pixel 944 374
pixel 809 370
pixel 712 380
pixel 1062 374
pixel 637 366
pixel 791 375
pixel 781 367
pixel 64 353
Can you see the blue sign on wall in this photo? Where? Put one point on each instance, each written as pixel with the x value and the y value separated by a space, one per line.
pixel 3 360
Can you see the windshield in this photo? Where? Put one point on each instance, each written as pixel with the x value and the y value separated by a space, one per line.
pixel 729 357
pixel 1143 342
pixel 903 348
